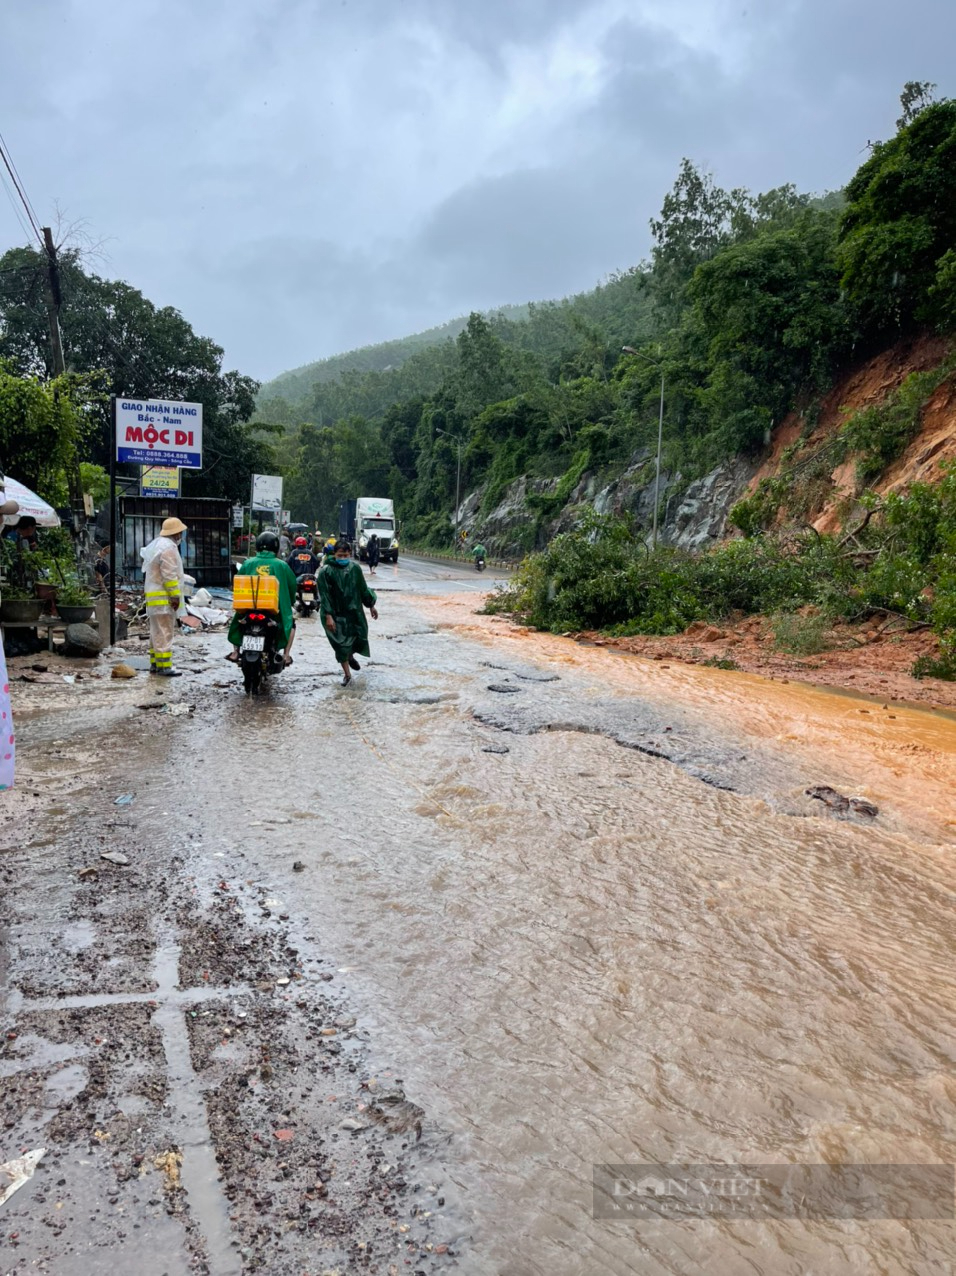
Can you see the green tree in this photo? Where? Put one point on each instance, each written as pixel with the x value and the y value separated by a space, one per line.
pixel 144 351
pixel 899 228
pixel 694 223
pixel 917 95
pixel 42 425
pixel 312 488
pixel 766 318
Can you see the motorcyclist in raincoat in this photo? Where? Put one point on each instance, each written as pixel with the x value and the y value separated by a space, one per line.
pixel 302 561
pixel 164 587
pixel 266 563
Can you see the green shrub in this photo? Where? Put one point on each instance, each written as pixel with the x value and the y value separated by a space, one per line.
pixel 944 667
pixel 602 577
pixel 800 635
pixel 755 513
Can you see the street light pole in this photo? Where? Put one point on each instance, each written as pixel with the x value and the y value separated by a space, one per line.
pixel 660 439
pixel 457 440
pixel 657 475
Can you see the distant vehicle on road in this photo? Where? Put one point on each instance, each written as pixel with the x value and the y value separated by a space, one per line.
pixel 358 519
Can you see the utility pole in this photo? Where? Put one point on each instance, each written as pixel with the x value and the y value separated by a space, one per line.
pixel 54 298
pixel 660 437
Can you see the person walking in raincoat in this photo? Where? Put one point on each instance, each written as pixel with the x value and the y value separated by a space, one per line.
pixel 373 553
pixel 165 583
pixel 267 563
pixel 343 593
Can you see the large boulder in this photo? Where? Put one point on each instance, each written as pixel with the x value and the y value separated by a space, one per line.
pixel 82 640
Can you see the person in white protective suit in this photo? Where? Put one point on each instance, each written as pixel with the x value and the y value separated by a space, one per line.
pixel 165 583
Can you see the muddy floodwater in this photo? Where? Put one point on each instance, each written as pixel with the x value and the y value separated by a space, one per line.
pixel 583 905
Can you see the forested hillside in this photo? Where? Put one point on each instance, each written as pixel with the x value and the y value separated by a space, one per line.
pixel 748 307
pixel 751 309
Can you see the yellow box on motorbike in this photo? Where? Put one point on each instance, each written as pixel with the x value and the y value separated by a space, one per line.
pixel 255 593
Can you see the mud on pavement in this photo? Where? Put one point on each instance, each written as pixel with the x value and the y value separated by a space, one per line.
pixel 206 1100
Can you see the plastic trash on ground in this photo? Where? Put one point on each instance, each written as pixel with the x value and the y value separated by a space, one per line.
pixel 15 1173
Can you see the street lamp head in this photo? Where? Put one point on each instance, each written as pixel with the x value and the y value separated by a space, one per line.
pixel 655 363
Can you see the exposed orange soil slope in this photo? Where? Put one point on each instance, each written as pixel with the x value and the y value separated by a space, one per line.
pixel 867 385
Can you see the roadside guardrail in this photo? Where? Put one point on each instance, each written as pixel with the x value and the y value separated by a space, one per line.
pixel 439 556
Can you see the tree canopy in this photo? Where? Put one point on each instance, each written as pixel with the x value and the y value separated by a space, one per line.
pixel 141 350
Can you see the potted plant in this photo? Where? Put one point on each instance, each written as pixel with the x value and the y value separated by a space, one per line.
pixel 74 603
pixel 18 605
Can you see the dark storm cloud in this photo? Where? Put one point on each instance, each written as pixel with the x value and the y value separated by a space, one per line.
pixel 309 175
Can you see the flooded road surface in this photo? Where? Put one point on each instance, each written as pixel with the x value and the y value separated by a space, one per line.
pixel 582 952
pixel 586 908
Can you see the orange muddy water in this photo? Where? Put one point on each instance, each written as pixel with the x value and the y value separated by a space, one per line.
pixel 582 953
pixel 630 938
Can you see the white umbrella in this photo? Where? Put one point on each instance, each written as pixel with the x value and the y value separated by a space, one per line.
pixel 29 503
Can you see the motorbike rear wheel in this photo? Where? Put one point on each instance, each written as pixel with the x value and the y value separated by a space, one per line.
pixel 252 678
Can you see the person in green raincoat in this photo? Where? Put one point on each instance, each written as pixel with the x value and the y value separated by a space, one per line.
pixel 267 563
pixel 343 593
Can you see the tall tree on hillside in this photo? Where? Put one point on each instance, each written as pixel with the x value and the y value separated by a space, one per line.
pixel 897 253
pixel 693 224
pixel 917 95
pixel 312 488
pixel 766 321
pixel 483 375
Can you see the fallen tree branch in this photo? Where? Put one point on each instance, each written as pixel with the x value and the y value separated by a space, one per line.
pixel 855 531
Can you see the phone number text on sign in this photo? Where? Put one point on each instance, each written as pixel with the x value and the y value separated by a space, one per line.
pixel 159 432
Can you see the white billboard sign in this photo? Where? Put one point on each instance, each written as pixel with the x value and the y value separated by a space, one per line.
pixel 159 432
pixel 267 492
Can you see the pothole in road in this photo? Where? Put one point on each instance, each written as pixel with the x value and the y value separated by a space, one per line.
pixel 413 697
pixel 636 727
pixel 525 674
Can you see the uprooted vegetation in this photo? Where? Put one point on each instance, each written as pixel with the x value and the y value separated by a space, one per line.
pixel 894 558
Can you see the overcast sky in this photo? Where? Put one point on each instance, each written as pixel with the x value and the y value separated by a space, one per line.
pixel 300 177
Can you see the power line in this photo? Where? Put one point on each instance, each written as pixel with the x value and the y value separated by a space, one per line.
pixel 33 217
pixel 18 187
pixel 17 211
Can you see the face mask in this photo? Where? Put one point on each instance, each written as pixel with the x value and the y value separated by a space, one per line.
pixel 341 562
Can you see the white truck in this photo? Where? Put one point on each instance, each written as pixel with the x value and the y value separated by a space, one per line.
pixel 376 514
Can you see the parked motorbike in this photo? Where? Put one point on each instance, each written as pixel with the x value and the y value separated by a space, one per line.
pixel 479 564
pixel 308 596
pixel 258 654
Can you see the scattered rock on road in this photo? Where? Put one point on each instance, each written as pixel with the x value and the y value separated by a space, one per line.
pixel 834 800
pixel 861 806
pixel 838 802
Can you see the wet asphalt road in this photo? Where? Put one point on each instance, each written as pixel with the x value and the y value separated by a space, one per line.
pixel 574 923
